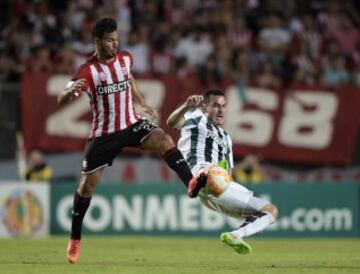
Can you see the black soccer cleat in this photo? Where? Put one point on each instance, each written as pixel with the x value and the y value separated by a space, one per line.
pixel 196 184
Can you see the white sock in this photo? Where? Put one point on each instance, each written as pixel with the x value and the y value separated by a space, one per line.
pixel 254 224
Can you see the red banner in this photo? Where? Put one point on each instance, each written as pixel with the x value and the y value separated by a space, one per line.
pixel 304 125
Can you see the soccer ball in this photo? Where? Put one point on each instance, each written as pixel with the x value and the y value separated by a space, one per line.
pixel 218 180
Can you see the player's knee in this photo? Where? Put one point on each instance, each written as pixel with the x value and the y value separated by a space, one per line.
pixel 87 187
pixel 166 142
pixel 271 209
pixel 274 211
pixel 85 190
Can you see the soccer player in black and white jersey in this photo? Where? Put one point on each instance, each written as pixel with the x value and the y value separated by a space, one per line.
pixel 203 143
pixel 107 79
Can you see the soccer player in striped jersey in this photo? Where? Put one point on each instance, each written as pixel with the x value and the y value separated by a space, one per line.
pixel 106 78
pixel 203 143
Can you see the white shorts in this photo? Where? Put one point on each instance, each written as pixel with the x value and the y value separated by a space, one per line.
pixel 237 201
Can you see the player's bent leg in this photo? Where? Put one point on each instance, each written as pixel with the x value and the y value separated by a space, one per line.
pixel 82 200
pixel 258 221
pixel 238 201
pixel 159 141
pixel 238 244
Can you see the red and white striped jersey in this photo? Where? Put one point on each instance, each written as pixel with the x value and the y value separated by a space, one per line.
pixel 108 86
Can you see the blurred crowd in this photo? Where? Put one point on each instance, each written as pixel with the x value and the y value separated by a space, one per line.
pixel 267 43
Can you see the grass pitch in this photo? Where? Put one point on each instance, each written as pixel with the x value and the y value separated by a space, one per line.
pixel 188 255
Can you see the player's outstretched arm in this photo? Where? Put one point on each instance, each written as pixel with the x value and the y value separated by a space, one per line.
pixel 72 89
pixel 176 118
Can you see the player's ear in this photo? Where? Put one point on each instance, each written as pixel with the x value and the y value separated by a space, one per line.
pixel 96 40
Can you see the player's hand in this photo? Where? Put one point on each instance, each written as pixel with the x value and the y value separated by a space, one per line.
pixel 194 101
pixel 77 87
pixel 150 110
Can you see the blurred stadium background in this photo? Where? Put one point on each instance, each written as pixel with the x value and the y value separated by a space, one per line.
pixel 290 70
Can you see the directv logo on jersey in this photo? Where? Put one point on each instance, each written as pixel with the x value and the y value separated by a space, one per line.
pixel 113 88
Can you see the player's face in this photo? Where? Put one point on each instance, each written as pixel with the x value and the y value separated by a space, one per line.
pixel 108 45
pixel 215 109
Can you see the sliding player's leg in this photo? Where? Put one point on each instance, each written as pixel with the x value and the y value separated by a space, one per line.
pixel 238 202
pixel 259 215
pixel 253 224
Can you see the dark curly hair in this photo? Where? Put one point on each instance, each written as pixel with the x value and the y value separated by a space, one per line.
pixel 102 26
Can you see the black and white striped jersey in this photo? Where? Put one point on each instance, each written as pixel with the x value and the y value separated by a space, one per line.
pixel 201 141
